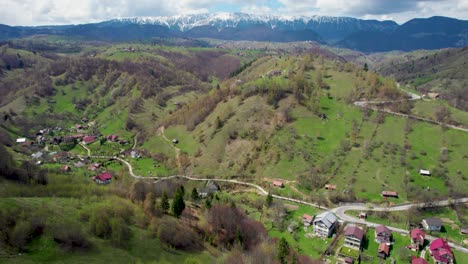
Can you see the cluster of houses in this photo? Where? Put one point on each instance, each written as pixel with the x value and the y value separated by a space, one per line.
pixel 49 136
pixel 325 224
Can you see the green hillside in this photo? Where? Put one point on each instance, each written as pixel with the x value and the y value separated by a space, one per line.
pixel 233 113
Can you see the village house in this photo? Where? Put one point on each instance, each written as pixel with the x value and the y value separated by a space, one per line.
pixel 94 166
pixel 37 155
pixel 416 260
pixel 417 239
pixel 278 184
pixel 432 95
pixel 383 234
pixel 424 172
pixel 390 194
pixel 330 187
pixel 353 237
pixel 79 164
pixel 20 140
pixel 112 138
pixel 88 139
pixel 65 168
pixel 441 252
pixel 307 220
pixel 103 178
pixel 324 224
pixel 211 188
pixel 432 224
pixel 464 230
pixel 362 215
pixel 135 154
pixel 383 251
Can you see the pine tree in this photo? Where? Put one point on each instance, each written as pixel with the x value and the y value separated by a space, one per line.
pixel 283 250
pixel 269 200
pixel 178 204
pixel 195 195
pixel 366 68
pixel 165 203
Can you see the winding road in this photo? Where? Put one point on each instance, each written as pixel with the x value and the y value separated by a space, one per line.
pixel 413 96
pixel 339 211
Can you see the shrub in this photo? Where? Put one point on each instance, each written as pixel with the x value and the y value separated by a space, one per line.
pixel 176 235
pixel 70 236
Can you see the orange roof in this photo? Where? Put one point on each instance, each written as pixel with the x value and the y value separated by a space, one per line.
pixel 307 217
pixel 384 248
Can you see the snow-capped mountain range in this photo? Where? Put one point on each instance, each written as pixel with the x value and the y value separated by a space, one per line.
pixel 359 34
pixel 223 20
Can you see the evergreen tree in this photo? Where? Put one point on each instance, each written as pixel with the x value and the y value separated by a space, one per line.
pixel 366 68
pixel 178 204
pixel 195 195
pixel 283 250
pixel 165 203
pixel 269 200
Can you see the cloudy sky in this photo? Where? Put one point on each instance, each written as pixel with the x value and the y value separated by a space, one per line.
pixel 47 12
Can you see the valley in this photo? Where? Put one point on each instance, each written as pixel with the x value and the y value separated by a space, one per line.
pixel 295 123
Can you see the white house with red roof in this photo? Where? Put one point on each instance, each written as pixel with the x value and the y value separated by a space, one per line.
pixel 417 239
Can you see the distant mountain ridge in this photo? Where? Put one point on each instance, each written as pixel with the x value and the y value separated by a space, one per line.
pixel 347 32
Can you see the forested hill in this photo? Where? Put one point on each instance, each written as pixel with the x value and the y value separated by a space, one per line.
pixel 443 71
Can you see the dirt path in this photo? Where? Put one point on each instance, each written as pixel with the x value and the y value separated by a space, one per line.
pixel 176 149
pixel 86 148
pixel 369 104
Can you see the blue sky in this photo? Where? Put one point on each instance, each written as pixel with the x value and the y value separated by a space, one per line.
pixel 47 12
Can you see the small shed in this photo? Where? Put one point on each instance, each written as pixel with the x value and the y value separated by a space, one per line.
pixel 20 140
pixel 175 141
pixel 390 194
pixel 307 219
pixel 278 184
pixel 424 172
pixel 330 186
pixel 464 230
pixel 362 215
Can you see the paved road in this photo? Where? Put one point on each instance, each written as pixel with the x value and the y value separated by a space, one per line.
pixel 339 211
pixel 341 214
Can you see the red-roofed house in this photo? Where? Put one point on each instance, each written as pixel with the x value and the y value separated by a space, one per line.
pixel 112 138
pixel 441 252
pixel 416 260
pixel 307 219
pixel 417 239
pixel 103 178
pixel 89 139
pixel 389 194
pixel 65 168
pixel 278 184
pixel 383 251
pixel 383 234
